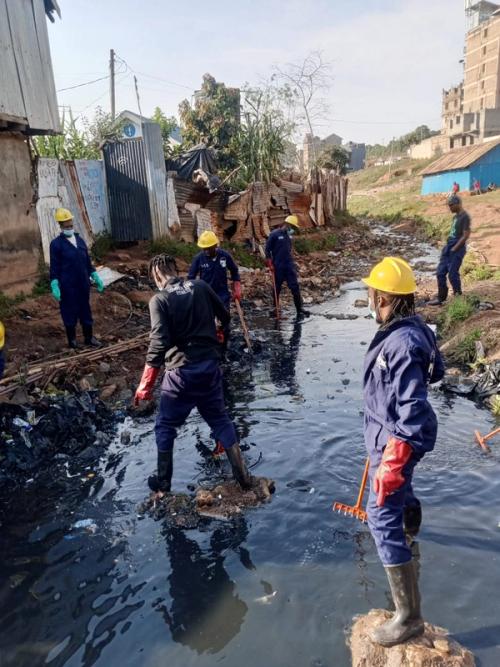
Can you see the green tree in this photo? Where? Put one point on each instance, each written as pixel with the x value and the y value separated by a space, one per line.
pixel 334 157
pixel 213 120
pixel 167 126
pixel 260 147
pixel 75 143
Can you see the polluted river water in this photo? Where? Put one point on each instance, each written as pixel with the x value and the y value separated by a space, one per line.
pixel 84 580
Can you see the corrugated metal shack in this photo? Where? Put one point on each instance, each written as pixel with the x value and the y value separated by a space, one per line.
pixel 138 191
pixel 463 165
pixel 28 106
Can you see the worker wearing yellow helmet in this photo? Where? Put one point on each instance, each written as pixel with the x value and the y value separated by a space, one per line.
pixel 2 343
pixel 399 428
pixel 212 265
pixel 280 261
pixel 71 273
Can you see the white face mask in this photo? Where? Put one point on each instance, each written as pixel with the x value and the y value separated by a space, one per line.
pixel 373 313
pixel 291 232
pixel 68 232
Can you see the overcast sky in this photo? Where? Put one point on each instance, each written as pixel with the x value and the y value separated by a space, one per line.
pixel 390 58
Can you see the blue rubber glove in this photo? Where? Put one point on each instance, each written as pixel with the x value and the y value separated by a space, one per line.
pixel 97 281
pixel 54 288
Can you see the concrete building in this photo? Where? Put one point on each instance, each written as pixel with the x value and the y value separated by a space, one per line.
pixel 430 147
pixel 471 110
pixel 311 144
pixel 357 155
pixel 463 165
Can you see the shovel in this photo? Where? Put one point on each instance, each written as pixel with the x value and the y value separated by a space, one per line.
pixel 243 324
pixel 355 510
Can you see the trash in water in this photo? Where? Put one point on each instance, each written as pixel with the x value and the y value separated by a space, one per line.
pixel 266 599
pixel 87 524
pixel 17 421
pixel 222 502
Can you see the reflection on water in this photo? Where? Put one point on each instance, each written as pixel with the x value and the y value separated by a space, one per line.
pixel 205 612
pixel 279 586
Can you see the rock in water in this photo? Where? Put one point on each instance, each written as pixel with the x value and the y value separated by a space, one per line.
pixel 432 649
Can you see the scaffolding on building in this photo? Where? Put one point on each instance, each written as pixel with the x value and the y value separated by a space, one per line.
pixel 477 12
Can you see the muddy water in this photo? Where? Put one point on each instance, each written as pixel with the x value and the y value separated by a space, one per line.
pixel 279 586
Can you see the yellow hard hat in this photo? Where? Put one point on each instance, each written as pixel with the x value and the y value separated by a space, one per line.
pixel 392 275
pixel 62 215
pixel 292 220
pixel 207 240
pixel 2 336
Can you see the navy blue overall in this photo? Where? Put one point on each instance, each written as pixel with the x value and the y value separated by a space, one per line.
pixel 197 385
pixel 72 268
pixel 279 249
pixel 400 362
pixel 213 270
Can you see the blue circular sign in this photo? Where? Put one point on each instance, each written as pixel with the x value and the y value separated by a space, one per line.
pixel 129 130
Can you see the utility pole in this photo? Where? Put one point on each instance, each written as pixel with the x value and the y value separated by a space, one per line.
pixel 112 81
pixel 137 95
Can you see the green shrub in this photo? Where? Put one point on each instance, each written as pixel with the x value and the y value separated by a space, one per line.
pixel 8 303
pixel 103 244
pixel 304 245
pixel 243 256
pixel 42 285
pixel 457 310
pixel 465 350
pixel 180 249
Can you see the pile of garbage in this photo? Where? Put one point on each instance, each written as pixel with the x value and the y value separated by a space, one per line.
pixel 483 384
pixel 53 428
pixel 224 501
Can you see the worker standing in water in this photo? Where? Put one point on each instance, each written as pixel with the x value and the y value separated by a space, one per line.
pixel 183 338
pixel 400 427
pixel 279 260
pixel 71 272
pixel 212 265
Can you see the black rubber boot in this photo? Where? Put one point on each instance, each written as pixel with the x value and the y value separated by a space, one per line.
pixel 240 472
pixel 163 480
pixel 407 621
pixel 71 334
pixel 301 313
pixel 89 337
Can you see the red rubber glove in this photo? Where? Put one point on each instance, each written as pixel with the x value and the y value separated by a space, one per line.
pixel 237 290
pixel 144 391
pixel 269 264
pixel 389 477
pixel 219 332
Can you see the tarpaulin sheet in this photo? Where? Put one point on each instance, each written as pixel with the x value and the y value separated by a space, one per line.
pixel 198 157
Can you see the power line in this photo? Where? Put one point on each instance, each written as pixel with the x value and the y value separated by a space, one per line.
pixel 86 83
pixel 150 76
pixel 377 122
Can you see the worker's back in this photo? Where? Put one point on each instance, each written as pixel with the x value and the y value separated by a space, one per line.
pixel 183 316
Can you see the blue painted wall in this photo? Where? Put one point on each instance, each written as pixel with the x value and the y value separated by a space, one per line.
pixel 435 183
pixel 486 170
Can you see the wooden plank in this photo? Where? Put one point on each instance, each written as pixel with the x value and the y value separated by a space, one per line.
pixel 29 66
pixel 11 98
